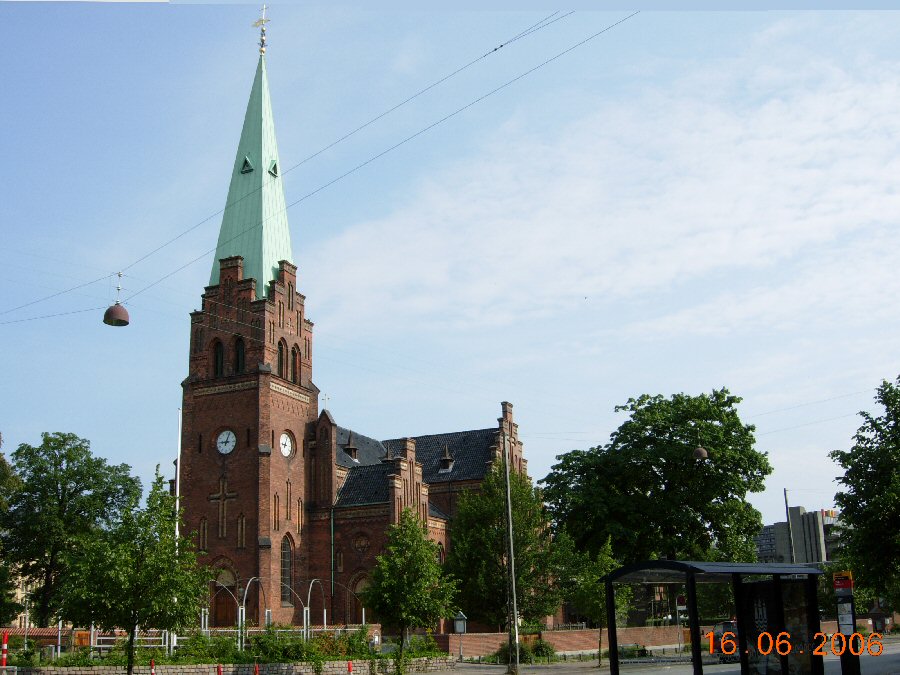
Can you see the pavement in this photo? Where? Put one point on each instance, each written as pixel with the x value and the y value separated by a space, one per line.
pixel 888 663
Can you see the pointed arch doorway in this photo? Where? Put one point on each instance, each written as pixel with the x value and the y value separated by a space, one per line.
pixel 224 606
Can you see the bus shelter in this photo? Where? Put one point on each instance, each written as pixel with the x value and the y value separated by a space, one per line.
pixel 769 598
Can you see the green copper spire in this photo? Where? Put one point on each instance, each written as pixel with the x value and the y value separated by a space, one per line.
pixel 255 223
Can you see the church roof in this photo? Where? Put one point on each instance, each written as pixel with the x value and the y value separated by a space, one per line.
pixel 367 479
pixel 254 223
pixel 368 450
pixel 435 512
pixel 365 485
pixel 471 452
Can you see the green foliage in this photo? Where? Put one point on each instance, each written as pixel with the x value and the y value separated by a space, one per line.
pixel 408 588
pixel 478 551
pixel 200 648
pixel 543 649
pixel 864 597
pixel 63 497
pixel 870 498
pixel 525 653
pixel 647 494
pixel 136 572
pixel 9 483
pixel 586 589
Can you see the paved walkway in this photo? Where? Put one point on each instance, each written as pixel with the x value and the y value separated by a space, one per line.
pixel 886 664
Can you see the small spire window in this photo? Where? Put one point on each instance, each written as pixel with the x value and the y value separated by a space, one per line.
pixel 218 359
pixel 239 356
pixel 247 166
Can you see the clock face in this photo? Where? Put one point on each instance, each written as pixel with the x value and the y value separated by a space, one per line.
pixel 287 445
pixel 226 441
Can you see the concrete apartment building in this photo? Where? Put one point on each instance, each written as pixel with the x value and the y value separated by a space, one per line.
pixel 809 537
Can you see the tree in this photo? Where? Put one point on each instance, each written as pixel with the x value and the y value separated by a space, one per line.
pixel 870 500
pixel 408 588
pixel 478 551
pixel 586 589
pixel 9 482
pixel 647 493
pixel 65 494
pixel 137 572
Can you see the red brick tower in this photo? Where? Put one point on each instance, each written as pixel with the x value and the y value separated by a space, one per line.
pixel 249 401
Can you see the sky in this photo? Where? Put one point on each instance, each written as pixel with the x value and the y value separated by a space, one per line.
pixel 687 201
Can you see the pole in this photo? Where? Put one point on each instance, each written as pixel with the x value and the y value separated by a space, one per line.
pixel 787 512
pixel 27 621
pixel 59 639
pixel 5 649
pixel 514 624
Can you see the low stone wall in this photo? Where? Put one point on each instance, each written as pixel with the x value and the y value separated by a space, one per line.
pixel 360 667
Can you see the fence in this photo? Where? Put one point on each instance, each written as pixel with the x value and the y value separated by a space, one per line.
pixel 151 639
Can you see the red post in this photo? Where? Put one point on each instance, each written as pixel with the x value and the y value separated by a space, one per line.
pixel 255 669
pixel 5 647
pixel 219 669
pixel 152 667
pixel 349 666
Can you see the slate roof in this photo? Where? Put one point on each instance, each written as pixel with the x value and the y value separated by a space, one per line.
pixel 471 452
pixel 368 450
pixel 365 485
pixel 435 512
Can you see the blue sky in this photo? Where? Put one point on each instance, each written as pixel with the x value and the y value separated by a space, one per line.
pixel 691 200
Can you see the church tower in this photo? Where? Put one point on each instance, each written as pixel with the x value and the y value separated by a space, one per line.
pixel 249 402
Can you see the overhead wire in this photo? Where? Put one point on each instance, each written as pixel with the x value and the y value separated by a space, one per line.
pixel 390 149
pixel 543 23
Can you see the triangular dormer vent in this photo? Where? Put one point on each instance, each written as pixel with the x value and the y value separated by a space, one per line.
pixel 246 167
pixel 273 168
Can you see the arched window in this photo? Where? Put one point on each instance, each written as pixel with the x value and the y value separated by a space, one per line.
pixel 295 365
pixel 287 570
pixel 241 531
pixel 281 358
pixel 239 356
pixel 440 553
pixel 218 359
pixel 201 544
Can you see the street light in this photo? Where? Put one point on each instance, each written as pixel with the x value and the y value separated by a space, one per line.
pixel 700 453
pixel 459 626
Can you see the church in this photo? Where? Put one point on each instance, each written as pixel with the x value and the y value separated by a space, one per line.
pixel 286 503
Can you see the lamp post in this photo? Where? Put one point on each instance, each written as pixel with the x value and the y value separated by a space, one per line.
pixel 459 627
pixel 514 619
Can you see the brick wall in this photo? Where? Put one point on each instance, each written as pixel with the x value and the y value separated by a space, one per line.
pixel 424 665
pixel 482 644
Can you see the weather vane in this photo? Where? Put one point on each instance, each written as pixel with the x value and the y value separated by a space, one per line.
pixel 261 24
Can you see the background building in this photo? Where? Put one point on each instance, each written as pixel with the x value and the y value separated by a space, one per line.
pixel 812 535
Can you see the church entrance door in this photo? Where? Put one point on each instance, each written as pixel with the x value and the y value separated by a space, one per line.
pixel 224 609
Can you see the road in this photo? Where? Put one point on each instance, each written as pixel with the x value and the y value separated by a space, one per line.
pixel 886 664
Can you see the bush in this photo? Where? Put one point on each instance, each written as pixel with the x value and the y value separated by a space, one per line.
pixel 543 649
pixel 423 645
pixel 632 651
pixel 525 653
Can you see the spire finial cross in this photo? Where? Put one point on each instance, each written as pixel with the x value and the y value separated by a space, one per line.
pixel 261 24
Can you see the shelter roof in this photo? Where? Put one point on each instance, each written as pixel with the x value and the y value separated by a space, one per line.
pixel 668 571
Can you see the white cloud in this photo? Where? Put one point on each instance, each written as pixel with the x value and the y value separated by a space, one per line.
pixel 680 185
